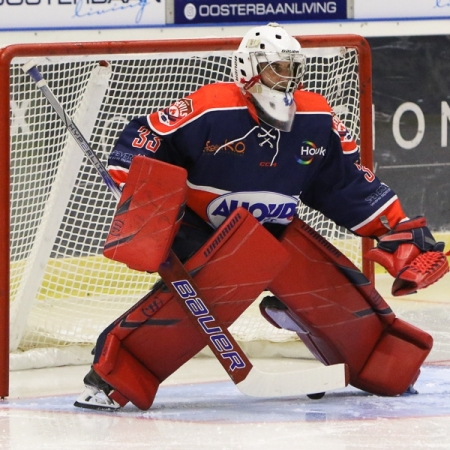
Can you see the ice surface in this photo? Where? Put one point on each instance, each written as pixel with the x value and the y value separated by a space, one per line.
pixel 198 407
pixel 216 415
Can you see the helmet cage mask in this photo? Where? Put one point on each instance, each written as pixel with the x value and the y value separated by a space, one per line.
pixel 295 63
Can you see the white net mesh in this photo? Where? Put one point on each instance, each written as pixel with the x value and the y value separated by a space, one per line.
pixel 63 291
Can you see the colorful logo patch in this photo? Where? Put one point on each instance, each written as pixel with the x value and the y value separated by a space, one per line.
pixel 176 112
pixel 308 151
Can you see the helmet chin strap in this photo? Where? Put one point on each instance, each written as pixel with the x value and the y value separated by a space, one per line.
pixel 248 84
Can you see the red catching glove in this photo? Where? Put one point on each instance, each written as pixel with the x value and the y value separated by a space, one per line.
pixel 411 255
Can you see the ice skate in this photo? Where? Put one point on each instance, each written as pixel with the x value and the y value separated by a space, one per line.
pixel 96 394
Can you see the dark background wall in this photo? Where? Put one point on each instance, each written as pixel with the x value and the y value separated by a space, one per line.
pixel 417 70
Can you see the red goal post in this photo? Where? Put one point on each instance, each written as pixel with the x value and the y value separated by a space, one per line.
pixel 33 142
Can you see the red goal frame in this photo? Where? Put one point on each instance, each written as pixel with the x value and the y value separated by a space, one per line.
pixel 80 48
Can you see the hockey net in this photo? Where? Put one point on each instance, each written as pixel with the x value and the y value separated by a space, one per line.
pixel 63 292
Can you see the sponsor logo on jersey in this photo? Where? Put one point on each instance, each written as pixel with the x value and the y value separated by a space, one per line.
pixel 308 151
pixel 174 113
pixel 118 156
pixel 378 195
pixel 237 148
pixel 264 206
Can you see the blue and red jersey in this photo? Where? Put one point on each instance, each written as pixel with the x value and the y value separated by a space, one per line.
pixel 234 159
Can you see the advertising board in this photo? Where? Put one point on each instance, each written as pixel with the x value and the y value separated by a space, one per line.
pixel 66 14
pixel 225 11
pixel 388 9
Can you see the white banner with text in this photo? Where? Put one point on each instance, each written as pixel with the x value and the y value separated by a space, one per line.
pixel 63 14
pixel 392 9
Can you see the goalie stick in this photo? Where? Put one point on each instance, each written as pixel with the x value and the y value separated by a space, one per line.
pixel 248 379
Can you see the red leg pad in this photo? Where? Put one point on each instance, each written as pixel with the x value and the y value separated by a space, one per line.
pixel 340 315
pixel 331 339
pixel 394 363
pixel 231 269
pixel 118 397
pixel 148 214
pixel 130 378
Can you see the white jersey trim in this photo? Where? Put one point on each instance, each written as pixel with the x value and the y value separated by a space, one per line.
pixel 118 169
pixel 206 189
pixel 327 113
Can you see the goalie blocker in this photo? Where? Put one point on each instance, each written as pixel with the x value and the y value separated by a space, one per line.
pixel 147 220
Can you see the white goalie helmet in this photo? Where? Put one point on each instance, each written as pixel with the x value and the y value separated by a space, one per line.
pixel 269 66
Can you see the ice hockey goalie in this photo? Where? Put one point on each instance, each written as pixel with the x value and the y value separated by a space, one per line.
pixel 314 290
